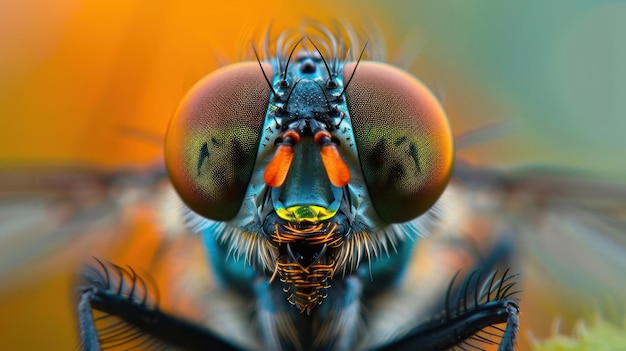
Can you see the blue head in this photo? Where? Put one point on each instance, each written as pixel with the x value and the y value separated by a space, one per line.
pixel 303 163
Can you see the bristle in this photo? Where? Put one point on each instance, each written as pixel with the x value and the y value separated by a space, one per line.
pixel 114 332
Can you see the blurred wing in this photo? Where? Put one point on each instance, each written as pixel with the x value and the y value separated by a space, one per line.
pixel 74 215
pixel 53 222
pixel 570 230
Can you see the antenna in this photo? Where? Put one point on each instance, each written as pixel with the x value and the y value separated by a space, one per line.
pixel 262 70
pixel 330 75
pixel 325 97
pixel 289 59
pixel 354 70
pixel 289 96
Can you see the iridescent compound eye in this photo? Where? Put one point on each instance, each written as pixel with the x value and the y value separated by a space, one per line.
pixel 403 139
pixel 212 140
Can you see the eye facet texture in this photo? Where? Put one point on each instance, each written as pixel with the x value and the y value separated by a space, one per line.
pixel 212 140
pixel 403 139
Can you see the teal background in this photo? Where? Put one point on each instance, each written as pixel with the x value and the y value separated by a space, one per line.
pixel 553 70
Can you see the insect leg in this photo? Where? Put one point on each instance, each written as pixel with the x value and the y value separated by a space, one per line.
pixel 88 332
pixel 121 298
pixel 480 305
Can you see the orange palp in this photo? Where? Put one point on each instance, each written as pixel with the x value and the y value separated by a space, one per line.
pixel 277 169
pixel 337 170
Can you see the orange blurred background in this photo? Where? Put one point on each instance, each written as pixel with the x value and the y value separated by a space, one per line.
pixel 76 73
pixel 94 84
pixel 88 88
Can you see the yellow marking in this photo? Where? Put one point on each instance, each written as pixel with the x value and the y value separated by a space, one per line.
pixel 303 213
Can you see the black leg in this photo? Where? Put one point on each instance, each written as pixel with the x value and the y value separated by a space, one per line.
pixel 130 318
pixel 480 304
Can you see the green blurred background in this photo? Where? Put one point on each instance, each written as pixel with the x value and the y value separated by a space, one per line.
pixel 555 68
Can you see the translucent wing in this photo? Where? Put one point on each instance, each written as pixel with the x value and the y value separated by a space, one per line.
pixel 570 231
pixel 47 212
pixel 53 222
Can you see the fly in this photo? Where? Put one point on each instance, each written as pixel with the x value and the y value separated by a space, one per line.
pixel 312 174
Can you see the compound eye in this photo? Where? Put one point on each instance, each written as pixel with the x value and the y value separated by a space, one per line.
pixel 403 139
pixel 212 140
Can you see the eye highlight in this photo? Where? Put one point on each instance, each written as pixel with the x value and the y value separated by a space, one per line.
pixel 212 139
pixel 403 139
